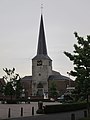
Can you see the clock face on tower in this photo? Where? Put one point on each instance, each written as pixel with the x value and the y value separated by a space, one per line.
pixel 39 62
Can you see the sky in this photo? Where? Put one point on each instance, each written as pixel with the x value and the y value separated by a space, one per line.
pixel 19 29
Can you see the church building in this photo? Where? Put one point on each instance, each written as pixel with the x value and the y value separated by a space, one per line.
pixel 42 73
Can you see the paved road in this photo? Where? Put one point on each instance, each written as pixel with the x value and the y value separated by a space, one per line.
pixel 27 112
pixel 58 116
pixel 15 109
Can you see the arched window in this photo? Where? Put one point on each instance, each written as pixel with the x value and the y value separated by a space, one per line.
pixel 40 89
pixel 40 85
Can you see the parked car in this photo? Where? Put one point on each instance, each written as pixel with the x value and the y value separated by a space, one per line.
pixel 65 98
pixel 61 98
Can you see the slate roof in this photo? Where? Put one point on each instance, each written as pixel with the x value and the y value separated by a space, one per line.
pixel 38 57
pixel 42 48
pixel 27 78
pixel 58 77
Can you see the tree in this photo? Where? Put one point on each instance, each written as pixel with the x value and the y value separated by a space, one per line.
pixel 53 89
pixel 18 90
pixel 13 86
pixel 81 61
pixel 9 90
pixel 1 89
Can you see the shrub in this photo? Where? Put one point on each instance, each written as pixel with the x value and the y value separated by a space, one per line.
pixel 11 102
pixel 64 107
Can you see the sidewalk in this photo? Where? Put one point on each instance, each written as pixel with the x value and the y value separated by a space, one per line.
pixel 15 109
pixel 58 116
pixel 15 112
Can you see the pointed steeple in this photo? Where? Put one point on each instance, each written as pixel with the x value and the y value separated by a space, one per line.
pixel 42 49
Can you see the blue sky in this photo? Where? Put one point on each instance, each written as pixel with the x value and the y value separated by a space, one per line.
pixel 19 27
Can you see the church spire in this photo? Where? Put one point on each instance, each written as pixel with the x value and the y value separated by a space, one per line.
pixel 42 49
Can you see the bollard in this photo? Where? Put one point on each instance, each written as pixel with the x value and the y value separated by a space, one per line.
pixel 32 110
pixel 72 116
pixel 9 113
pixel 85 113
pixel 21 111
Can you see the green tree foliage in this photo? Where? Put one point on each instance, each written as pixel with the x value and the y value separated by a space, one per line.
pixel 13 86
pixel 81 61
pixel 18 88
pixel 1 89
pixel 9 91
pixel 53 89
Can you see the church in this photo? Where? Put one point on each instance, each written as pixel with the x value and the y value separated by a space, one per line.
pixel 42 73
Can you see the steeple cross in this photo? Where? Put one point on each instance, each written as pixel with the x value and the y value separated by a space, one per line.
pixel 41 8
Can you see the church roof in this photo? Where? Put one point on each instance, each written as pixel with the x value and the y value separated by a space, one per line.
pixel 58 77
pixel 27 78
pixel 38 57
pixel 42 48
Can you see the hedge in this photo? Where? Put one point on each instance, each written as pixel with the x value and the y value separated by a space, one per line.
pixel 48 109
pixel 16 101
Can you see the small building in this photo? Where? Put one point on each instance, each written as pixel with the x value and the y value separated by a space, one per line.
pixel 26 83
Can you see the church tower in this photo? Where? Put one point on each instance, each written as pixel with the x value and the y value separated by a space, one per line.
pixel 41 65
